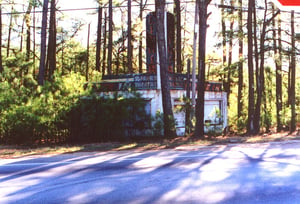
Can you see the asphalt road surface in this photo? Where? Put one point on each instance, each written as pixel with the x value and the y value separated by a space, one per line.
pixel 252 173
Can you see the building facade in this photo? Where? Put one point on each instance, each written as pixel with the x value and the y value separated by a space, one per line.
pixel 148 87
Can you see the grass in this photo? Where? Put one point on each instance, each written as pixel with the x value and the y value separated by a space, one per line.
pixel 19 151
pixel 142 145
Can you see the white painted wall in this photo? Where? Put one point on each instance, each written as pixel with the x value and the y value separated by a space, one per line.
pixel 213 100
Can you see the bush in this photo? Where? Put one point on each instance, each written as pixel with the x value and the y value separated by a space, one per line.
pixel 99 119
pixel 30 113
pixel 61 111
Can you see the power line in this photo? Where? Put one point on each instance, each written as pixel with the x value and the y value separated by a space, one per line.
pixel 59 10
pixel 244 9
pixel 83 9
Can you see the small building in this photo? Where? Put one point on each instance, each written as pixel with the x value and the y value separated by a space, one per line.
pixel 148 86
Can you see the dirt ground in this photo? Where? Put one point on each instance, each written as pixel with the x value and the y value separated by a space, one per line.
pixel 144 144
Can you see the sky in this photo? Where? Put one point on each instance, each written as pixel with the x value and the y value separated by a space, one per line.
pixel 70 4
pixel 85 16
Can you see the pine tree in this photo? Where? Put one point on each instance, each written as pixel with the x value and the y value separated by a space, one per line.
pixel 41 76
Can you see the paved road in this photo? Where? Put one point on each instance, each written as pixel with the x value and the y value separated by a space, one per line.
pixel 256 173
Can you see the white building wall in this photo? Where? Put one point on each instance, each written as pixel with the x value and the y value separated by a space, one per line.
pixel 212 100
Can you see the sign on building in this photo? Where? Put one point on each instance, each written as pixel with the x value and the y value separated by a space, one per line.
pixel 289 2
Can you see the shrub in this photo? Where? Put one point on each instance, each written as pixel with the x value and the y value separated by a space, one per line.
pixel 99 119
pixel 30 113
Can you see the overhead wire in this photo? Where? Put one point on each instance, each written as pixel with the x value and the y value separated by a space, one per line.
pixel 244 9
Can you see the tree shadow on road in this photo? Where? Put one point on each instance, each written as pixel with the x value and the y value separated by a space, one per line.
pixel 228 174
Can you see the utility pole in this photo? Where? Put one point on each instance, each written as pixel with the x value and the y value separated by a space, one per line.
pixel 196 29
pixel 293 75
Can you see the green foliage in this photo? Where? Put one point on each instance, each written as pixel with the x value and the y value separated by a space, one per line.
pixel 158 123
pixel 31 113
pixel 241 124
pixel 103 118
pixel 62 111
pixel 18 63
pixel 74 57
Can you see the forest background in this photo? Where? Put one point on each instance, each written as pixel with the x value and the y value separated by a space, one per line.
pixel 45 63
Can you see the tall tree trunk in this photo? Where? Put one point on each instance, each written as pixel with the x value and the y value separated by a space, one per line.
pixel 250 123
pixel 28 34
pixel 21 36
pixel 199 131
pixel 195 37
pixel 87 54
pixel 169 123
pixel 117 63
pixel 278 61
pixel 178 36
pixel 110 39
pixel 34 42
pixel 224 45
pixel 256 51
pixel 141 39
pixel 41 76
pixel 188 123
pixel 120 53
pixel 9 30
pixel 292 90
pixel 240 64
pixel 52 39
pixel 260 80
pixel 1 63
pixel 99 43
pixel 62 56
pixel 129 46
pixel 230 36
pixel 104 45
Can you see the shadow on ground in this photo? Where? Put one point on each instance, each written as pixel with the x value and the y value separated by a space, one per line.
pixel 253 173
